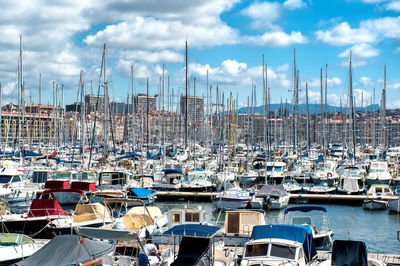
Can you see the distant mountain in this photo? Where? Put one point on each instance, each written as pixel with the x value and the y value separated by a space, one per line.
pixel 313 108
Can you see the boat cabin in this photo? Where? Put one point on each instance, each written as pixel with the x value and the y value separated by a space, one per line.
pixel 186 216
pixel 241 222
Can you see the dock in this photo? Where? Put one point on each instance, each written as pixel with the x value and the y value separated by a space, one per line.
pixel 326 198
pixel 390 259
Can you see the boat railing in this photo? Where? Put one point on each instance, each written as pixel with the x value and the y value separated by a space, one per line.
pixel 48 212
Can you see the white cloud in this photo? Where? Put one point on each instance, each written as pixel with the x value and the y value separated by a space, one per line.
pixel 343 34
pixel 314 83
pixel 150 33
pixel 366 81
pixel 354 63
pixel 232 66
pixel 277 39
pixel 263 14
pixel 294 4
pixel 361 50
pixel 388 27
pixel 163 56
pixel 393 5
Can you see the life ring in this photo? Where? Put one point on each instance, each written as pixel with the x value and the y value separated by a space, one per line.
pixel 329 174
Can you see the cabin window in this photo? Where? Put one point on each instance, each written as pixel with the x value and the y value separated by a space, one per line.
pixel 283 251
pixel 192 217
pixel 256 250
pixel 176 218
pixel 5 179
pixel 16 179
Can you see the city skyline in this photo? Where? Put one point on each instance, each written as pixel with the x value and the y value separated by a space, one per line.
pixel 227 38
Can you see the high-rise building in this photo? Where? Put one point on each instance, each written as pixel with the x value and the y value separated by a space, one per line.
pixel 195 107
pixel 140 103
pixel 91 102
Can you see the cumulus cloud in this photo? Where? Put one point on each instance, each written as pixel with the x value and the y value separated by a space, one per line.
pixel 294 4
pixel 277 39
pixel 361 50
pixel 393 5
pixel 263 14
pixel 343 34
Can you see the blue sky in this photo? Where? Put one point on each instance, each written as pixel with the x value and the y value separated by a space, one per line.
pixel 227 37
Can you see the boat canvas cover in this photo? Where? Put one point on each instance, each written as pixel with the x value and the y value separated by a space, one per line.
pixel 193 230
pixel 68 250
pixel 297 233
pixel 54 184
pixel 142 192
pixel 137 217
pixel 45 207
pixel 271 190
pixel 90 212
pixel 172 171
pixel 86 186
pixel 189 256
pixel 348 252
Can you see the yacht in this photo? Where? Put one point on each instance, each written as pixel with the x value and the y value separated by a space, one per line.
pixel 378 173
pixel 279 244
pixel 233 198
pixel 326 172
pixel 198 180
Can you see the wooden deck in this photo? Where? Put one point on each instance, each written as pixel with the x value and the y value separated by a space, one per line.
pixel 390 259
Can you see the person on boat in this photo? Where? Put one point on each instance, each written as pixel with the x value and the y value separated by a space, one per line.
pixel 148 250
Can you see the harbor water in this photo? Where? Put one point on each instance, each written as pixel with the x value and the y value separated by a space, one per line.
pixel 378 229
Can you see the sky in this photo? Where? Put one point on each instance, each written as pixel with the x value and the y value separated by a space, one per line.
pixel 226 37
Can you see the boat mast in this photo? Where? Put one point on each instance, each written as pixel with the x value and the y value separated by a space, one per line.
pixel 308 120
pixel 384 125
pixel 322 114
pixel 353 137
pixel 186 96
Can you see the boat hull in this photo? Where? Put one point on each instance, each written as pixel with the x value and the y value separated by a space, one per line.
pixel 375 205
pixel 230 203
pixel 394 205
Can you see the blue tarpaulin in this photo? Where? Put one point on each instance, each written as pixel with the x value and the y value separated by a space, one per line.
pixel 172 171
pixel 305 209
pixel 320 159
pixel 193 230
pixel 129 155
pixel 298 233
pixel 142 192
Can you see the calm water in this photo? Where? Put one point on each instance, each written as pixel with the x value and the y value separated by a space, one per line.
pixel 378 229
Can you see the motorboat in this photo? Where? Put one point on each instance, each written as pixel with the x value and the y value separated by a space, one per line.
pixel 15 247
pixel 322 236
pixel 291 185
pixel 279 244
pixel 319 188
pixel 34 223
pixel 274 172
pixel 146 195
pixel 233 198
pixel 69 250
pixel 168 180
pixel 248 177
pixel 14 188
pixel 325 172
pixel 376 191
pixel 198 180
pixel 88 215
pixel 351 181
pixel 378 173
pixel 271 197
pixel 350 252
